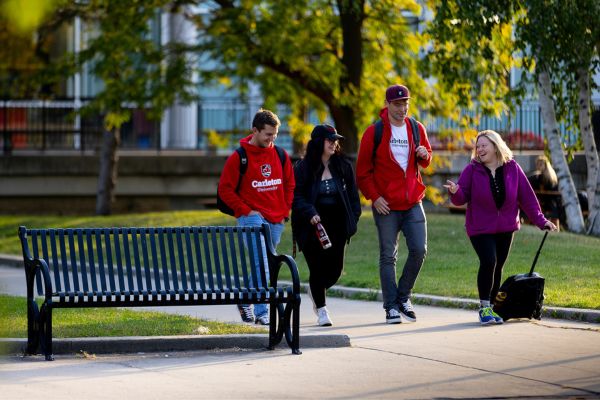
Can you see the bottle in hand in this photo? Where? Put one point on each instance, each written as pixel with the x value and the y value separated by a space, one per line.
pixel 323 236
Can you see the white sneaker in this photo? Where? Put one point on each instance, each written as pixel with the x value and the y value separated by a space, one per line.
pixel 323 317
pixel 392 316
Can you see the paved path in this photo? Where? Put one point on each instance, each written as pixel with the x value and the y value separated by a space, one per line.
pixel 445 354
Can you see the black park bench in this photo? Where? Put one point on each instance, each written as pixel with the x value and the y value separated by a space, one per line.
pixel 135 267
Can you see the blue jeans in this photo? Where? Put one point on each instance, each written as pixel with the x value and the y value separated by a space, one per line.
pixel 413 225
pixel 276 231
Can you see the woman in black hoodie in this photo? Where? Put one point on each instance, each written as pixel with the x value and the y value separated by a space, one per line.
pixel 325 193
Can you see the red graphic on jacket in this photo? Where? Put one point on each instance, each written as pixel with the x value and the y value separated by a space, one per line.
pixel 383 176
pixel 266 187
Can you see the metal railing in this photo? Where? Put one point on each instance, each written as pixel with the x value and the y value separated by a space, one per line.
pixel 37 125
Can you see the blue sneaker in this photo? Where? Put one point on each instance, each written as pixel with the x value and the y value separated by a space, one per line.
pixel 485 316
pixel 497 319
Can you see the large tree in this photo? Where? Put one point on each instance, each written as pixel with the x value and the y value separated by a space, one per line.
pixel 135 70
pixel 476 46
pixel 333 56
pixel 133 67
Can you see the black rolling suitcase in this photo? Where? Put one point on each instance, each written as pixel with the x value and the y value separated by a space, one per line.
pixel 522 295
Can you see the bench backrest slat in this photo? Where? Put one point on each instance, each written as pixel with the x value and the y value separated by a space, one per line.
pixel 207 259
pixel 216 259
pixel 44 241
pixel 190 259
pixel 91 260
pixel 234 259
pixel 81 251
pixel 171 255
pixel 109 256
pixel 181 260
pixel 199 262
pixel 145 267
pixel 136 260
pixel 55 264
pixel 63 259
pixel 100 257
pixel 74 265
pixel 34 248
pixel 163 257
pixel 118 258
pixel 226 256
pixel 155 261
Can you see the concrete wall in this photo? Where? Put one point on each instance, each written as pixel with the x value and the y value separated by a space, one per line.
pixel 66 184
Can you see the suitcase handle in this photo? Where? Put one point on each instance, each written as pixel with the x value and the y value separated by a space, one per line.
pixel 538 254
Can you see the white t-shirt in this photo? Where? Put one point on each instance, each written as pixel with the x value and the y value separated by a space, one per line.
pixel 399 145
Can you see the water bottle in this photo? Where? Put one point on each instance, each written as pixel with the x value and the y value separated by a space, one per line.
pixel 323 236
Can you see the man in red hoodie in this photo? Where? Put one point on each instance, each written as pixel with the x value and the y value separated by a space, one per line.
pixel 388 175
pixel 265 191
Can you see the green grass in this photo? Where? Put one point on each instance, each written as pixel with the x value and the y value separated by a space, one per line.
pixel 570 263
pixel 95 322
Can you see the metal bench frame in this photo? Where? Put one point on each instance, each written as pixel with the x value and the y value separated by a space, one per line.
pixel 162 266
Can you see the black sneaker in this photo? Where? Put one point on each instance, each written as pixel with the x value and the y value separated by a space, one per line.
pixel 246 313
pixel 408 311
pixel 392 316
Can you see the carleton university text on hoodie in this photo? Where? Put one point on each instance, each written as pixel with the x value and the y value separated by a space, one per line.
pixel 266 187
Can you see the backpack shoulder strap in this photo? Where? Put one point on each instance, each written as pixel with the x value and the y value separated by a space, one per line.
pixel 281 154
pixel 243 164
pixel 414 125
pixel 377 136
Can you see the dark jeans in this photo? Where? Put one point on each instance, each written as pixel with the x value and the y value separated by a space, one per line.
pixel 413 225
pixel 492 250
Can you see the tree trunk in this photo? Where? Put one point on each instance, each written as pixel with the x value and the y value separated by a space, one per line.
pixel 565 180
pixel 591 151
pixel 344 118
pixel 352 14
pixel 107 178
pixel 594 216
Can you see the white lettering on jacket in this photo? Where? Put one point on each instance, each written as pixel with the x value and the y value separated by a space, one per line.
pixel 266 183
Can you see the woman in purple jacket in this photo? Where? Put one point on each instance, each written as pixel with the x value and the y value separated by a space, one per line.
pixel 494 187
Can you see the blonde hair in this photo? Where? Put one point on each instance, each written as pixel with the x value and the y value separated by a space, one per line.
pixel 547 172
pixel 503 153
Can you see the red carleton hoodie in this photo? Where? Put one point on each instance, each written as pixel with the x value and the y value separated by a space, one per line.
pixel 383 176
pixel 266 187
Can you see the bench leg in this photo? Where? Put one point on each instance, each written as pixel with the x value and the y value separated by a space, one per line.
pixel 46 331
pixel 33 327
pixel 295 344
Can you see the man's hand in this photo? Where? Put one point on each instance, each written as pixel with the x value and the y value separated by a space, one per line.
pixel 381 205
pixel 422 152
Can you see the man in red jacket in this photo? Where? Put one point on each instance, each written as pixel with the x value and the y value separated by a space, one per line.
pixel 390 178
pixel 265 192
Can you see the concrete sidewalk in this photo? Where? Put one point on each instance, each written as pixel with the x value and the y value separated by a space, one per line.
pixel 445 354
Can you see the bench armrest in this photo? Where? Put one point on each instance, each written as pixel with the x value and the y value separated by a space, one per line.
pixel 291 264
pixel 32 266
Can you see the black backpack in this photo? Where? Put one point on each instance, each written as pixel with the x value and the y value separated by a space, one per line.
pixel 379 133
pixel 221 205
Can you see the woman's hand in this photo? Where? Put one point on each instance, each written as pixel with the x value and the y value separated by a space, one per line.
pixel 315 219
pixel 451 186
pixel 550 226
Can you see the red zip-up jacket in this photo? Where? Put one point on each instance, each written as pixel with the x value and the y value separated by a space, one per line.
pixel 266 187
pixel 383 176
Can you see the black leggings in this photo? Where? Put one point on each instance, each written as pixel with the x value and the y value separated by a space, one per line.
pixel 492 250
pixel 326 266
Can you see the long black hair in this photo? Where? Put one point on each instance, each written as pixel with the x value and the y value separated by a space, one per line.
pixel 312 158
